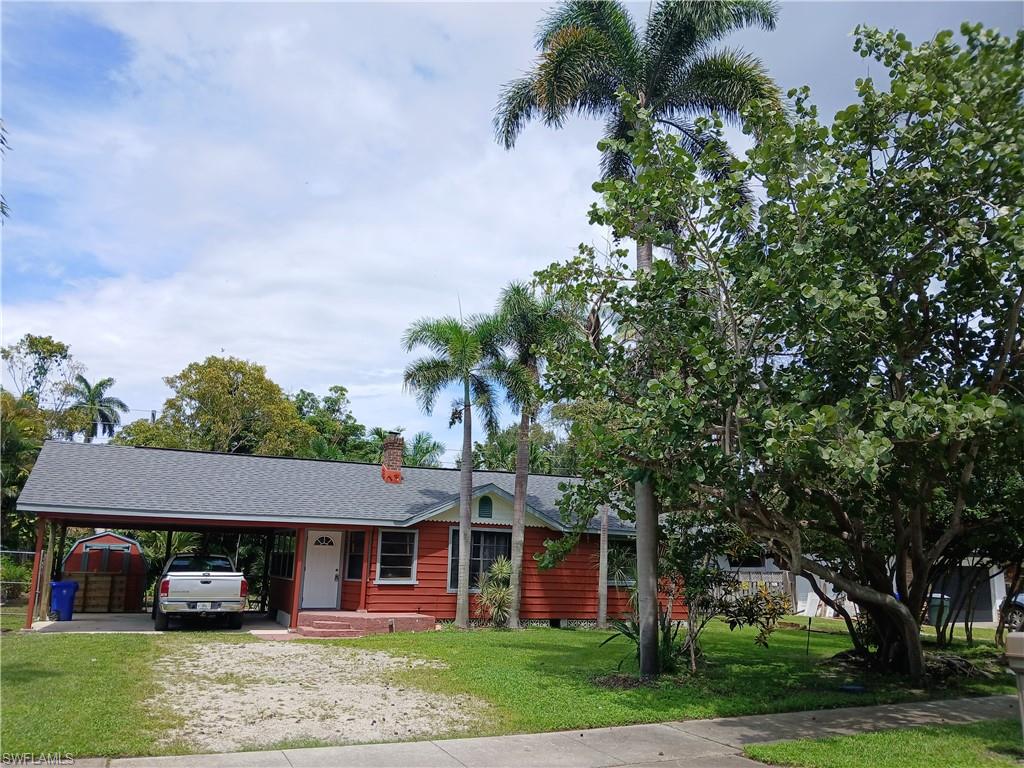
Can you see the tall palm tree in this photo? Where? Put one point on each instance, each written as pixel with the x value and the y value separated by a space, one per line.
pixel 92 402
pixel 529 322
pixel 461 355
pixel 590 50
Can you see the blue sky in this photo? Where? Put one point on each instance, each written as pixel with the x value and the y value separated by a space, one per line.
pixel 293 184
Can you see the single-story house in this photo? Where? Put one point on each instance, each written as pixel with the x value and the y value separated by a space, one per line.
pixel 341 536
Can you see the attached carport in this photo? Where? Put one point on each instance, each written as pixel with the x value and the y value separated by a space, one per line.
pixel 277 501
pixel 52 525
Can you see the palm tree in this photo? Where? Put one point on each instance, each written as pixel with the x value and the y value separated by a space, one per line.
pixel 92 402
pixel 588 52
pixel 461 355
pixel 424 451
pixel 528 323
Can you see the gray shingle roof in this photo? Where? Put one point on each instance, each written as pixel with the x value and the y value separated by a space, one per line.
pixel 93 479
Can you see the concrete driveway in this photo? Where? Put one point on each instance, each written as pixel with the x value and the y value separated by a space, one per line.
pixel 143 622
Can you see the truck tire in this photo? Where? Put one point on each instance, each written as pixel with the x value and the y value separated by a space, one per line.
pixel 234 621
pixel 159 620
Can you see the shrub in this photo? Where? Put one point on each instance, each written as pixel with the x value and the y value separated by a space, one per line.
pixel 15 577
pixel 495 599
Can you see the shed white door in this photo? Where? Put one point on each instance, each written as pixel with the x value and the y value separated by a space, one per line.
pixel 320 578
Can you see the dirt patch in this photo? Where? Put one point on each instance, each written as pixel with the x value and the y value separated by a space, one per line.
pixel 622 682
pixel 234 695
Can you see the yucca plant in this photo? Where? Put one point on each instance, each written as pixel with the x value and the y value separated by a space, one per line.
pixel 495 599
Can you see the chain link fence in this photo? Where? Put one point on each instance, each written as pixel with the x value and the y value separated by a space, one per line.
pixel 15 573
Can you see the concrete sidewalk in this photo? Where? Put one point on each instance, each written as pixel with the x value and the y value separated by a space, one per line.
pixel 689 744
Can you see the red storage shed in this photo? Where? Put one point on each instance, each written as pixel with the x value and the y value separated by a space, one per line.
pixel 111 573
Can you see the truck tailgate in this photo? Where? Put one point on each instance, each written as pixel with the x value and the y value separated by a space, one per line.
pixel 204 586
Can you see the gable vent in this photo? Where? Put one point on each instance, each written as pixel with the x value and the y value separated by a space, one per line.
pixel 485 507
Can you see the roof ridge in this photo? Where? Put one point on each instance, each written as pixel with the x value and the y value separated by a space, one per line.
pixel 201 452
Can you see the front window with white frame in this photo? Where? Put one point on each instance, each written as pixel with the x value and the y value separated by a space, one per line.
pixel 396 557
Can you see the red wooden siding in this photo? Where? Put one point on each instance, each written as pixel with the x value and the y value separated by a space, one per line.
pixel 349 595
pixel 568 591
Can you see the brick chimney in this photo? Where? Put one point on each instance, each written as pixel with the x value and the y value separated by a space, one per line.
pixel 393 449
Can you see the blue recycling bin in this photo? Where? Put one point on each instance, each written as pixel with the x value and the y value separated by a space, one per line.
pixel 62 599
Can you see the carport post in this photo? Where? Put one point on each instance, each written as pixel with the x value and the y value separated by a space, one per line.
pixel 36 562
pixel 268 541
pixel 167 549
pixel 43 606
pixel 300 553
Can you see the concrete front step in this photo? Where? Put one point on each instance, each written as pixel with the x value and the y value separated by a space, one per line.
pixel 306 631
pixel 330 624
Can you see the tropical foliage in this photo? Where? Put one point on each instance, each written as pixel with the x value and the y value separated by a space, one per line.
pixel 22 431
pixel 464 356
pixel 99 412
pixel 494 603
pixel 224 404
pixel 832 368
pixel 590 51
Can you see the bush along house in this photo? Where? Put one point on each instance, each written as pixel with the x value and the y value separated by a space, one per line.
pixel 351 547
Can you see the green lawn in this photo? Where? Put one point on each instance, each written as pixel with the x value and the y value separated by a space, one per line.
pixel 994 743
pixel 84 693
pixel 543 679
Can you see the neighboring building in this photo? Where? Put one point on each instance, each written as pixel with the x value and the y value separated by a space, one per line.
pixel 342 536
pixel 110 570
pixel 985 608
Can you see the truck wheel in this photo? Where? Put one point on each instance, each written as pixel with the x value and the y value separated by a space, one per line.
pixel 160 620
pixel 234 621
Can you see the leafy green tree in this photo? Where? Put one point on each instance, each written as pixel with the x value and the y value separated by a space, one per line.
pixel 99 412
pixel 461 355
pixel 44 369
pixel 589 53
pixel 228 405
pixel 22 431
pixel 832 368
pixel 339 436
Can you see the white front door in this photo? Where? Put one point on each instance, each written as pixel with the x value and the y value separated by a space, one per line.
pixel 320 578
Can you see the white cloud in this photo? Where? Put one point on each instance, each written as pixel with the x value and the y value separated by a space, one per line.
pixel 279 182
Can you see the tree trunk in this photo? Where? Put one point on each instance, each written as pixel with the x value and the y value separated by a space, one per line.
pixel 465 512
pixel 602 572
pixel 647 538
pixel 900 649
pixel 519 515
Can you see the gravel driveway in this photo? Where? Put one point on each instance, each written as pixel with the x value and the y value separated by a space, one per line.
pixel 243 695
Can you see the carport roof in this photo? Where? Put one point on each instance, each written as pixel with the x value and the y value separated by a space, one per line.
pixel 96 480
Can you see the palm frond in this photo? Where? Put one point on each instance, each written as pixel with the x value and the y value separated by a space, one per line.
pixel 484 401
pixel 680 29
pixel 576 74
pixel 517 105
pixel 723 82
pixel 610 18
pixel 615 163
pixel 427 377
pixel 439 335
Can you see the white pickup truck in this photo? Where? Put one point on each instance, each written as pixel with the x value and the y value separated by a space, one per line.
pixel 200 585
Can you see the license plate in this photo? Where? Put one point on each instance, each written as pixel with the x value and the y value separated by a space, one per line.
pixel 202 606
